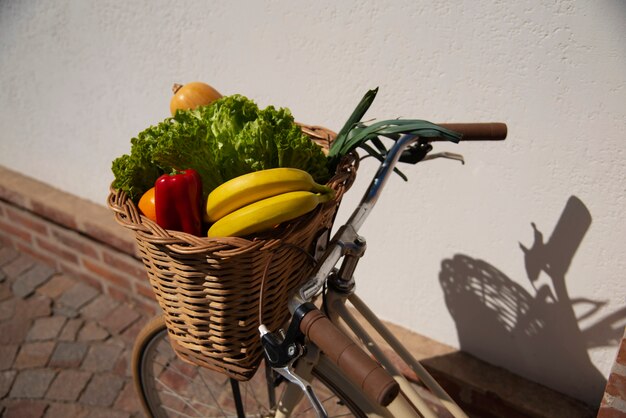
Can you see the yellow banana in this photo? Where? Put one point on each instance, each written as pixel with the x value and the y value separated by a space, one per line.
pixel 265 214
pixel 255 186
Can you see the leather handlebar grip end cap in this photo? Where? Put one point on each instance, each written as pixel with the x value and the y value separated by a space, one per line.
pixel 387 389
pixel 492 131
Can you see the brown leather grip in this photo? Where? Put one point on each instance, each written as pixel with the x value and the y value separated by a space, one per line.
pixel 494 131
pixel 360 368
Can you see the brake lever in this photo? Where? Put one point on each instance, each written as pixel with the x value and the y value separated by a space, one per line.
pixel 288 373
pixel 281 352
pixel 447 155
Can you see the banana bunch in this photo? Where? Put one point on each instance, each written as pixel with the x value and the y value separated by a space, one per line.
pixel 258 201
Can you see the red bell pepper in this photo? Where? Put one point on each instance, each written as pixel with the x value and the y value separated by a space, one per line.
pixel 178 201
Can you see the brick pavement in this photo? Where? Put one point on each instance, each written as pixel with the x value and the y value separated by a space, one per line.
pixel 64 346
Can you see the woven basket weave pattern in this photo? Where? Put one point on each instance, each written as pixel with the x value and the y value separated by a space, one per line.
pixel 209 289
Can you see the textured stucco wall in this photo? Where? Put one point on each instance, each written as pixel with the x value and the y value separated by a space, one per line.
pixel 80 78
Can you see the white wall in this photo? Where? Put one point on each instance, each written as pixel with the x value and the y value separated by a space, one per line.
pixel 79 78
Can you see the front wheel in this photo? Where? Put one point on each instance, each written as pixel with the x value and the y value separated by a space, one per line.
pixel 170 387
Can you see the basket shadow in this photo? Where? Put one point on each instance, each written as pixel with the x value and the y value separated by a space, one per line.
pixel 536 334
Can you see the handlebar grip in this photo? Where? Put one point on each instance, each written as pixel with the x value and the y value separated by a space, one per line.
pixel 494 131
pixel 361 369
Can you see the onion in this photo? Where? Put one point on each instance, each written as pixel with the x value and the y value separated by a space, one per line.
pixel 192 95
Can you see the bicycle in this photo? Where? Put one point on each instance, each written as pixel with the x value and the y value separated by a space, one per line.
pixel 323 363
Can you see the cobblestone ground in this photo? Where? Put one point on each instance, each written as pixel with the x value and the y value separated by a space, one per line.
pixel 64 346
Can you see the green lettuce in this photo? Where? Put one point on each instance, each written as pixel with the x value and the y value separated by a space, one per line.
pixel 221 141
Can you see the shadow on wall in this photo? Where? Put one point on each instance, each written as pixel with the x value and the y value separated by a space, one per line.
pixel 537 335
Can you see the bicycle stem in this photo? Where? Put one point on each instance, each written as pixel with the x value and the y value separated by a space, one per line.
pixel 380 179
pixel 348 233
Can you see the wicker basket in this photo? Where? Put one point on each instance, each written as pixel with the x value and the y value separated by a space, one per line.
pixel 209 289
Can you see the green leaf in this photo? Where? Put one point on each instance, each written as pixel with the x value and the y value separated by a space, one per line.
pixel 381 158
pixel 359 111
pixel 355 117
pixel 380 146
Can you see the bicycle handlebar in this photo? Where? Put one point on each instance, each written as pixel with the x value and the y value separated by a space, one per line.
pixel 361 369
pixel 348 232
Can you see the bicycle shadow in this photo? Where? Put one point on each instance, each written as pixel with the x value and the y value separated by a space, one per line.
pixel 536 334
